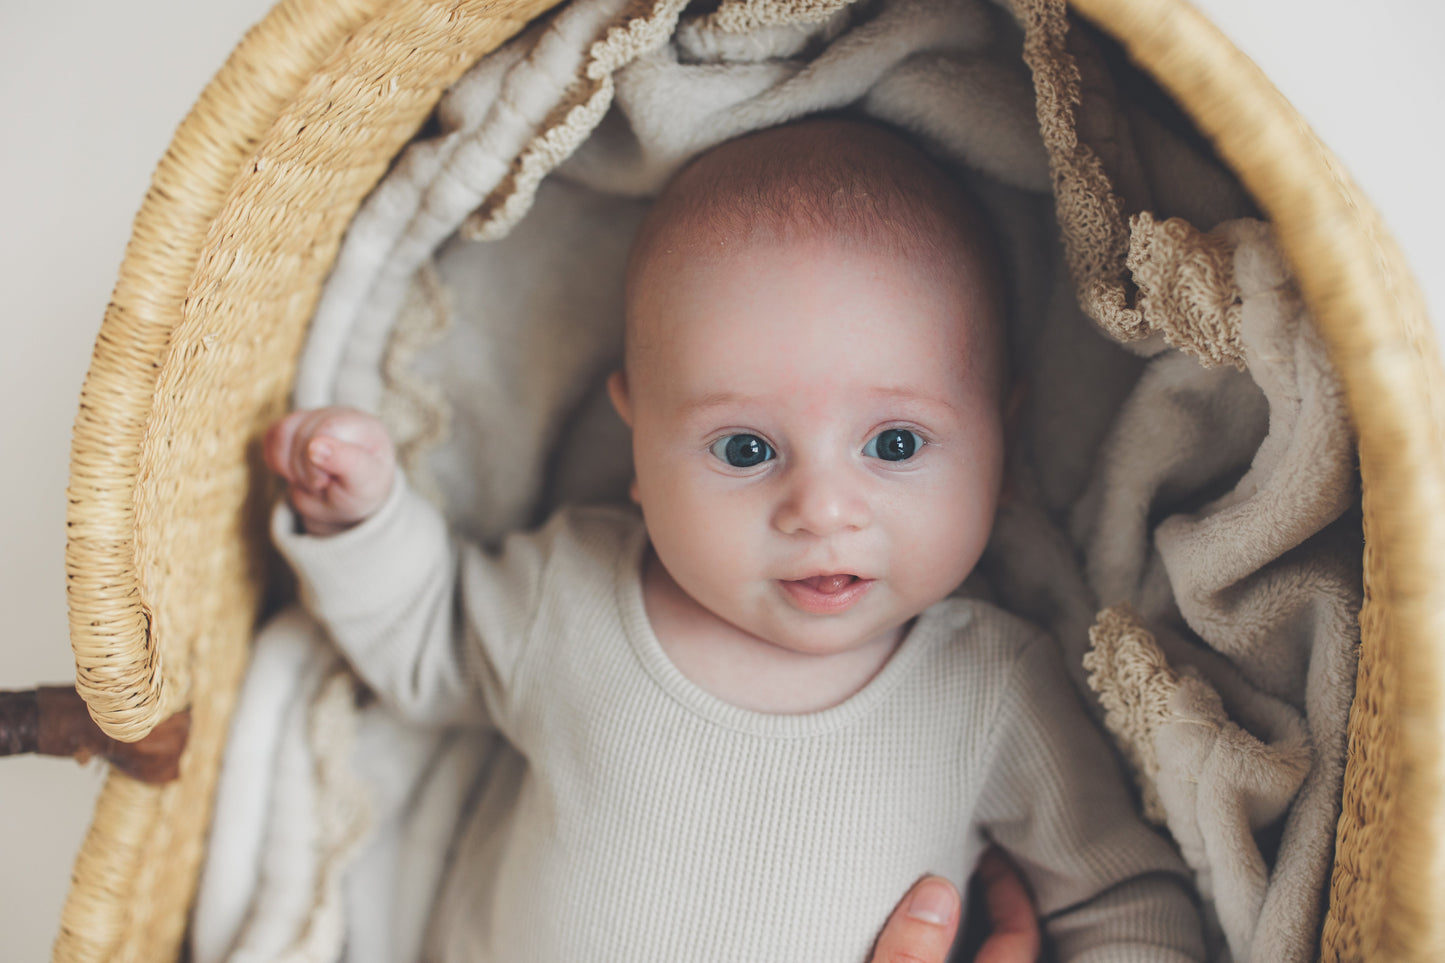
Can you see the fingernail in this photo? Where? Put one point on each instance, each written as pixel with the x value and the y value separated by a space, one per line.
pixel 932 903
pixel 319 449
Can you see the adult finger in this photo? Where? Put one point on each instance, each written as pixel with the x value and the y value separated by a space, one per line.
pixel 1013 921
pixel 922 928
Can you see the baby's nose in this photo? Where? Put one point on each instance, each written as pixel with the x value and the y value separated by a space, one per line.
pixel 820 502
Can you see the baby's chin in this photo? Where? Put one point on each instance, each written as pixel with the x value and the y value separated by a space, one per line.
pixel 823 637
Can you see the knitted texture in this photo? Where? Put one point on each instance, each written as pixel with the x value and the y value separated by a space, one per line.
pixel 1134 683
pixel 1090 213
pixel 1187 288
pixel 744 16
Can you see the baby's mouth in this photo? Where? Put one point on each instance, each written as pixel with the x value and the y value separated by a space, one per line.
pixel 828 584
pixel 826 594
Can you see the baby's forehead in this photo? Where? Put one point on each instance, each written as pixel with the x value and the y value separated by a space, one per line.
pixel 734 250
pixel 795 305
pixel 833 183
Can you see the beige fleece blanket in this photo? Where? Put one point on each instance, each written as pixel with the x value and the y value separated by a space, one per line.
pixel 1182 498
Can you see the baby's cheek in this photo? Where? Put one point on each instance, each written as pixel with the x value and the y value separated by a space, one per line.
pixel 944 544
pixel 711 546
pixel 713 540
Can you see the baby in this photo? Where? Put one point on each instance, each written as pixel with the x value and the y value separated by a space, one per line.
pixel 753 717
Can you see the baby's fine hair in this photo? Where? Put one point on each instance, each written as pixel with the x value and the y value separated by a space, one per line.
pixel 852 182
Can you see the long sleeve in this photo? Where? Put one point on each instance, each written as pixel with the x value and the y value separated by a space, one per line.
pixel 1108 887
pixel 435 627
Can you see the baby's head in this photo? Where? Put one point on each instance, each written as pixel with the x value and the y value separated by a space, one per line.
pixel 814 381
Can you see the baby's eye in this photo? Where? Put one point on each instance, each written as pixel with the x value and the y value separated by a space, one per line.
pixel 894 444
pixel 743 451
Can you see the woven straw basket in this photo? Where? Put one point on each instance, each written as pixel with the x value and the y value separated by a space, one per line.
pixel 226 263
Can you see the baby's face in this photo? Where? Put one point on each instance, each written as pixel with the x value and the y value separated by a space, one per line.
pixel 816 461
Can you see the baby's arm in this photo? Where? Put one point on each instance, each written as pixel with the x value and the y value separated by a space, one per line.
pixel 431 624
pixel 1109 888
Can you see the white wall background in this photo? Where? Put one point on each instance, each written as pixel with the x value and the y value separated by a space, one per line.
pixel 90 92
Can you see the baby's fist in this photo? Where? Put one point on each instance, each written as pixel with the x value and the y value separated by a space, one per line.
pixel 338 463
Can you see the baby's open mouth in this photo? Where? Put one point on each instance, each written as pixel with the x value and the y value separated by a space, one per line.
pixel 828 584
pixel 826 594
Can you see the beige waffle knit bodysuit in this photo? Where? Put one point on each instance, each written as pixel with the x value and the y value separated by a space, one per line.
pixel 645 819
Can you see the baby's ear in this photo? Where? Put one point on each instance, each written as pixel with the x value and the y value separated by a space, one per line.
pixel 621 400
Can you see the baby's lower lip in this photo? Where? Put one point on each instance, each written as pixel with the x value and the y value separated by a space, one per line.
pixel 825 594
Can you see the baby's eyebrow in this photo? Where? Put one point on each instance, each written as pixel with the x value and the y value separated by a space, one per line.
pixel 713 399
pixel 901 394
pixel 907 394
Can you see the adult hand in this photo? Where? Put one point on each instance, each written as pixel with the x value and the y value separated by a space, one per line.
pixel 1013 923
pixel 922 928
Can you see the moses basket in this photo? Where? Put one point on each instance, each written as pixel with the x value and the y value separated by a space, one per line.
pixel 166 557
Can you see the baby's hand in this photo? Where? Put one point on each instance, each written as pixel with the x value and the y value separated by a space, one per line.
pixel 339 465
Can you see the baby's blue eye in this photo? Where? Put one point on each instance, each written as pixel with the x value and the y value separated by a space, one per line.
pixel 895 444
pixel 743 451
